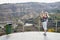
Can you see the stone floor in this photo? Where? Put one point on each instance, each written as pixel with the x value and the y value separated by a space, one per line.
pixel 31 36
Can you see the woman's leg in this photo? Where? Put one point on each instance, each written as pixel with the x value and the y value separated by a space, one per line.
pixel 45 26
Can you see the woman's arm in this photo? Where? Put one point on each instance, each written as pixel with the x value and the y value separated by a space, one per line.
pixel 48 15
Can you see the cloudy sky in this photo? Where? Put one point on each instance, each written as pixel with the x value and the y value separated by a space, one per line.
pixel 20 1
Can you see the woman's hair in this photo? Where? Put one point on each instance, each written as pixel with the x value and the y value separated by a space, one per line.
pixel 44 14
pixel 47 14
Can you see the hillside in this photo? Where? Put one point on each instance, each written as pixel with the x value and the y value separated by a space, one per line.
pixel 19 10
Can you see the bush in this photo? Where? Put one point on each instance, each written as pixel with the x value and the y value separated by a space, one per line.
pixel 51 30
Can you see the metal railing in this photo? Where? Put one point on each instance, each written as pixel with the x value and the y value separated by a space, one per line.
pixel 54 24
pixel 51 24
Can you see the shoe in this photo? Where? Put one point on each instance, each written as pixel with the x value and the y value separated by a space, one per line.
pixel 44 34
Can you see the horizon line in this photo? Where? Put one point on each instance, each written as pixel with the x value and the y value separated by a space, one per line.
pixel 28 2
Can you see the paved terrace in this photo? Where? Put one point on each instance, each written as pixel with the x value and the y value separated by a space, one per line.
pixel 31 36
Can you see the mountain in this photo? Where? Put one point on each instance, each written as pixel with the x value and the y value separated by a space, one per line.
pixel 19 10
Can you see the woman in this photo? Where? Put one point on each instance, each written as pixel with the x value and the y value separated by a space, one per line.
pixel 44 20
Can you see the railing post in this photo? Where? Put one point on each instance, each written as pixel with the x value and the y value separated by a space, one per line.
pixel 39 24
pixel 23 27
pixel 56 25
